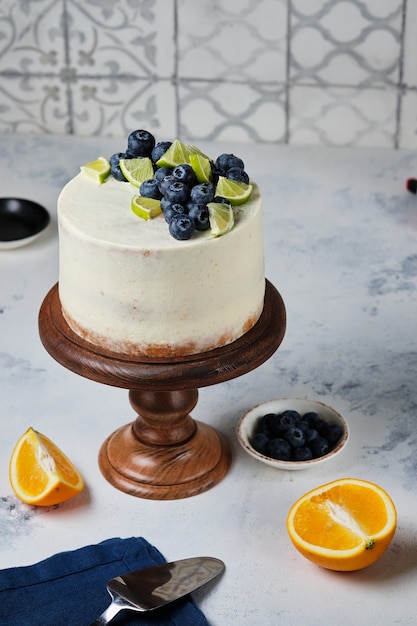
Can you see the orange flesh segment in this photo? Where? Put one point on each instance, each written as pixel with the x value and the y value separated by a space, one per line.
pixel 31 477
pixel 65 469
pixel 315 523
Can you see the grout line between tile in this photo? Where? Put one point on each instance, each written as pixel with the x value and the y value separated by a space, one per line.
pixel 68 90
pixel 401 86
pixel 287 76
pixel 214 81
pixel 175 76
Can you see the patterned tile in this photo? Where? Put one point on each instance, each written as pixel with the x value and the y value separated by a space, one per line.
pixel 113 48
pixel 33 105
pixel 32 37
pixel 114 107
pixel 408 126
pixel 125 38
pixel 32 54
pixel 410 45
pixel 80 67
pixel 232 69
pixel 341 42
pixel 408 112
pixel 329 72
pixel 232 112
pixel 233 41
pixel 343 116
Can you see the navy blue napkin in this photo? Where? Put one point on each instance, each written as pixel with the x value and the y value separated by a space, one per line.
pixel 69 589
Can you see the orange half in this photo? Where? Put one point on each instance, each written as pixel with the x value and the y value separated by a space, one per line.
pixel 40 473
pixel 344 525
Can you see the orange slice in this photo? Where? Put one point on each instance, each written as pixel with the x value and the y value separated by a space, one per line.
pixel 40 473
pixel 344 525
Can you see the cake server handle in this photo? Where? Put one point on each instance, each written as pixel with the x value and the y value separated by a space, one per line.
pixel 105 618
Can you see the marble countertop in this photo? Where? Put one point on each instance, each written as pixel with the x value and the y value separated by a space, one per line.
pixel 341 248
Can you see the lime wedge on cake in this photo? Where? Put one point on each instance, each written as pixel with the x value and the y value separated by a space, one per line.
pixel 137 170
pixel 221 218
pixel 194 150
pixel 201 167
pixel 146 208
pixel 233 190
pixel 98 170
pixel 178 153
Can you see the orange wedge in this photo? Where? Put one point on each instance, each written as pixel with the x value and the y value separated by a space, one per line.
pixel 40 473
pixel 344 525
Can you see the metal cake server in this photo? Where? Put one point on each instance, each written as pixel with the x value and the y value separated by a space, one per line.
pixel 153 587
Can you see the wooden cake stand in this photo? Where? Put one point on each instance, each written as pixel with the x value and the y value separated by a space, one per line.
pixel 164 454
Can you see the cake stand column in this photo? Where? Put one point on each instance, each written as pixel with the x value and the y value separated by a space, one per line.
pixel 164 453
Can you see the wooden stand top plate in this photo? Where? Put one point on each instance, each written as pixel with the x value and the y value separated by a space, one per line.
pixel 141 372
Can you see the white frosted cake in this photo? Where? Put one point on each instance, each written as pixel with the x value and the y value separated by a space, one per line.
pixel 126 285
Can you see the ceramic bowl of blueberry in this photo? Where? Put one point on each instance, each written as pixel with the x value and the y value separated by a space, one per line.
pixel 292 433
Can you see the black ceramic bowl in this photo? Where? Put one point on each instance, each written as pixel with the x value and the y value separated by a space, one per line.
pixel 21 221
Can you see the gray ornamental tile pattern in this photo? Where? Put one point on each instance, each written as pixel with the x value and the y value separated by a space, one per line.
pixel 233 41
pixel 99 61
pixel 239 112
pixel 355 43
pixel 342 116
pixel 410 45
pixel 303 72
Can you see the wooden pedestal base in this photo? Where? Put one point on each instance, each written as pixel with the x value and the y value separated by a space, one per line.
pixel 136 461
pixel 164 454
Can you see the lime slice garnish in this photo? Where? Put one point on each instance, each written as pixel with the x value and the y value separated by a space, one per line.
pixel 221 218
pixel 178 153
pixel 194 150
pixel 136 171
pixel 201 167
pixel 98 170
pixel 234 191
pixel 146 208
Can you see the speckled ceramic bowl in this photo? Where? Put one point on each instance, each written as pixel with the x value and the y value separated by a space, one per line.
pixel 248 422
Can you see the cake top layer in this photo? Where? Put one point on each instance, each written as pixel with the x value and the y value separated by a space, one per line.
pixel 152 192
pixel 103 213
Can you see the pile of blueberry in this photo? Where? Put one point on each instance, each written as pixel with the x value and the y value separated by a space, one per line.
pixel 183 200
pixel 290 436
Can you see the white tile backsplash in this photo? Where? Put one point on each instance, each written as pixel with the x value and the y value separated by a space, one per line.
pixel 408 127
pixel 32 38
pixel 410 47
pixel 233 41
pixel 341 43
pixel 102 108
pixel 33 105
pixel 119 39
pixel 237 112
pixel 320 72
pixel 342 116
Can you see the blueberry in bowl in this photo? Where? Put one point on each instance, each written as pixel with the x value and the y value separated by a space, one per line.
pixel 292 433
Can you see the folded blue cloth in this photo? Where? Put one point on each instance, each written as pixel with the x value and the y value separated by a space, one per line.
pixel 69 589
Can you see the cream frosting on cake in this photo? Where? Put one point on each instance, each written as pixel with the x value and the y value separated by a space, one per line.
pixel 126 285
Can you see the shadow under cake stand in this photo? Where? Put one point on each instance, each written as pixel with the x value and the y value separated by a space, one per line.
pixel 164 454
